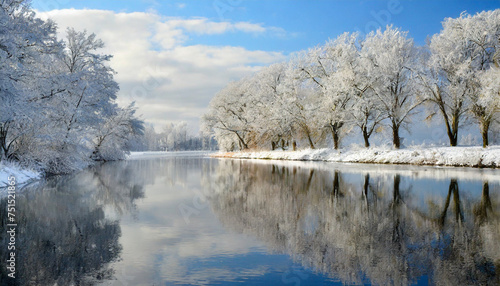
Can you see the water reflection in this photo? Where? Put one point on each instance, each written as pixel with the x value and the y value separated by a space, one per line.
pixel 198 221
pixel 66 232
pixel 366 227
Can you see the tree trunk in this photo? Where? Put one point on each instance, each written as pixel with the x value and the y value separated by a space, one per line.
pixel 366 137
pixel 307 132
pixel 3 140
pixel 243 145
pixel 335 129
pixel 273 145
pixel 311 144
pixel 485 138
pixel 453 137
pixel 485 126
pixel 294 145
pixel 336 138
pixel 5 145
pixel 453 131
pixel 396 141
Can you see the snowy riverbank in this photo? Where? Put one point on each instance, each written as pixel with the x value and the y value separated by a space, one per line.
pixel 22 175
pixel 435 156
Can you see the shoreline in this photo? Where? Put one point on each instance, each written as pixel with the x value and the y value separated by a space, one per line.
pixel 460 156
pixel 22 175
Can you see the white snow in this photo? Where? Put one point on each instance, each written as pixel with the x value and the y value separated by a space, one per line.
pixel 21 174
pixel 435 156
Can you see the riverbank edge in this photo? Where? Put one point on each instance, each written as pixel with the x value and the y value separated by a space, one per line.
pixel 461 156
pixel 22 175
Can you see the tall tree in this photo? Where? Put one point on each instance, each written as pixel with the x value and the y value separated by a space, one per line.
pixel 322 70
pixel 90 85
pixel 112 137
pixel 482 31
pixel 229 117
pixel 54 96
pixel 464 47
pixel 352 83
pixel 486 108
pixel 276 125
pixel 302 98
pixel 390 57
pixel 24 41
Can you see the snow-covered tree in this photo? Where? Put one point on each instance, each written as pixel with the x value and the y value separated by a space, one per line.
pixel 349 82
pixel 112 137
pixel 55 96
pixel 24 41
pixel 91 89
pixel 229 116
pixel 391 57
pixel 464 47
pixel 486 107
pixel 322 71
pixel 302 100
pixel 80 85
pixel 352 86
pixel 275 127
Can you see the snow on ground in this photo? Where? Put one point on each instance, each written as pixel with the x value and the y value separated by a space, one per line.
pixel 412 171
pixel 22 175
pixel 436 156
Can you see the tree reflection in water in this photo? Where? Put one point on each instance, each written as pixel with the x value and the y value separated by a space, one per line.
pixel 362 227
pixel 355 223
pixel 64 233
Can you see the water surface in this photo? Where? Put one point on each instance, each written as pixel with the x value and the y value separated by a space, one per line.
pixel 185 219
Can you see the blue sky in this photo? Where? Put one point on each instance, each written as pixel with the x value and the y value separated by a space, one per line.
pixel 307 23
pixel 173 56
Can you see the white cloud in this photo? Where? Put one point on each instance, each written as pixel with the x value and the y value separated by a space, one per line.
pixel 169 81
pixel 249 27
pixel 203 26
pixel 174 31
pixel 171 242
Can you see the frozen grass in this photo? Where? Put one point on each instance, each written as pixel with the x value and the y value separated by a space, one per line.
pixel 418 155
pixel 21 174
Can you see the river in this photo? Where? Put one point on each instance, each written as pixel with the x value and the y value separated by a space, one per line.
pixel 187 219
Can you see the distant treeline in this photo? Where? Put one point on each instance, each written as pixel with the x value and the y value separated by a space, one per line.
pixel 173 137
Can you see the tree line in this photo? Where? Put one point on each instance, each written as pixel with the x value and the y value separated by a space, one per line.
pixel 366 84
pixel 173 137
pixel 57 97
